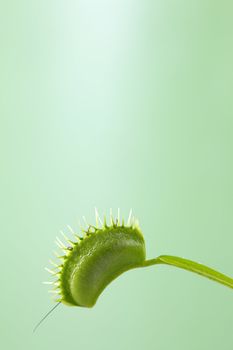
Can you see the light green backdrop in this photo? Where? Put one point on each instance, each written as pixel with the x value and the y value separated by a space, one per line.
pixel 118 104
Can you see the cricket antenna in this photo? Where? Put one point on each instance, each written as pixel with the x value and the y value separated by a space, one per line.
pixel 39 323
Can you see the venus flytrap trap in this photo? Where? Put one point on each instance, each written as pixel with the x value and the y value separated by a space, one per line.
pixel 90 262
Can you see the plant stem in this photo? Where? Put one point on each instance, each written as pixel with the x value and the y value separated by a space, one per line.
pixel 193 267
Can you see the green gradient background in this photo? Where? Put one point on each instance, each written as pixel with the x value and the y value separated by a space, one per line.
pixel 118 104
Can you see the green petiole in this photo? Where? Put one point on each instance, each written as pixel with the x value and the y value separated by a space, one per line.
pixel 192 266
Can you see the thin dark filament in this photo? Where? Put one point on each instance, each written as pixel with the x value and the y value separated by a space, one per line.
pixel 39 323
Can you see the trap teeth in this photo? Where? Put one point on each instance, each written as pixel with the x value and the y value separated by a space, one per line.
pixel 97 217
pixel 56 254
pixel 129 218
pixel 85 221
pixel 60 242
pixel 118 217
pixel 59 245
pixel 64 236
pixel 56 288
pixel 54 273
pixel 70 229
pixel 71 243
pixel 111 217
pixel 78 238
pixel 54 264
pixel 82 229
pixel 62 257
pixel 50 271
pixel 105 221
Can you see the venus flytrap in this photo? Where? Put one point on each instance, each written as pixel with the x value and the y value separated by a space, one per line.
pixel 89 263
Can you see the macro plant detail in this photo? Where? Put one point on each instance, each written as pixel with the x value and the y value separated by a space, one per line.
pixel 105 251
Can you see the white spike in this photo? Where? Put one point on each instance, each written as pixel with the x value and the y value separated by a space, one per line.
pixel 101 222
pixel 56 254
pixel 54 291
pixel 70 229
pixel 60 242
pixel 71 244
pixel 96 217
pixel 48 282
pixel 85 221
pixel 105 220
pixel 59 245
pixel 50 271
pixel 53 263
pixel 118 217
pixel 77 238
pixel 129 218
pixel 111 217
pixel 64 236
pixel 81 227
